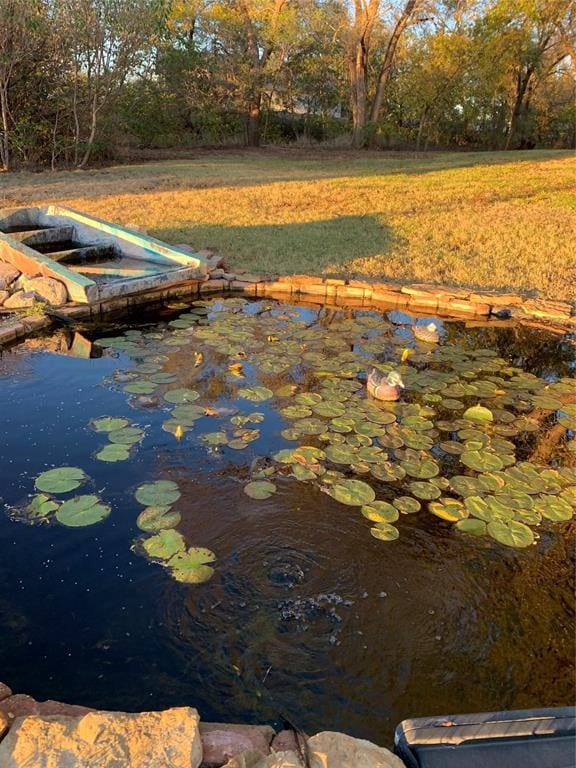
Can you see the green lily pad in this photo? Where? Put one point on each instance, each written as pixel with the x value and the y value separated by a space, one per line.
pixel 154 519
pixel 260 489
pixel 126 436
pixel 215 438
pixel 160 493
pixel 448 509
pixel 380 512
pixel 385 532
pixel 511 533
pixel 109 423
pixel 296 412
pixel 355 493
pixel 41 506
pixel 554 508
pixel 182 395
pixel 81 511
pixel 60 480
pixel 425 491
pixel 255 394
pixel 140 387
pixel 329 409
pixel 478 413
pixel 164 544
pixel 407 505
pixel 113 453
pixel 472 526
pixel 191 567
pixel 342 454
pixel 423 470
pixel 481 461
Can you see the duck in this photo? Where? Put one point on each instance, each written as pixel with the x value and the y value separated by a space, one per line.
pixel 384 386
pixel 428 333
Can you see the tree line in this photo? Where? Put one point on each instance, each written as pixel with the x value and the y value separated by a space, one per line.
pixel 83 80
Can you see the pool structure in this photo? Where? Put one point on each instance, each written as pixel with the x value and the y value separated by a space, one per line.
pixel 205 508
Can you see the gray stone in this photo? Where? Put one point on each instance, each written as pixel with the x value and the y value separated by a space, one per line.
pixel 3 296
pixel 20 300
pixel 278 760
pixel 50 290
pixel 8 274
pixel 21 705
pixel 222 741
pixel 169 739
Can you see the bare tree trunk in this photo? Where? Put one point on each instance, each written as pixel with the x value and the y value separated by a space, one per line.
pixel 359 96
pixel 5 143
pixel 521 86
pixel 389 56
pixel 92 136
pixel 253 128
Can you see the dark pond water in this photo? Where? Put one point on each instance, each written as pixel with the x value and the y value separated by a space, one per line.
pixel 307 616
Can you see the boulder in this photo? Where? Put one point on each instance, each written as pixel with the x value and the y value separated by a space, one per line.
pixel 50 290
pixel 278 760
pixel 167 739
pixel 8 274
pixel 221 741
pixel 4 725
pixel 21 705
pixel 5 691
pixel 3 296
pixel 336 750
pixel 284 741
pixel 21 300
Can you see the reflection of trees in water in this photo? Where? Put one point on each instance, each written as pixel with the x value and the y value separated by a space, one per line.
pixel 536 351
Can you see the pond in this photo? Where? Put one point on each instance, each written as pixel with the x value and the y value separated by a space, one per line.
pixel 210 511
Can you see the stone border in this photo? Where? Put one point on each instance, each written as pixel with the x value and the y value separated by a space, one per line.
pixel 451 303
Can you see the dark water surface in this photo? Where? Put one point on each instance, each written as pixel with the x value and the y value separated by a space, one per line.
pixel 306 617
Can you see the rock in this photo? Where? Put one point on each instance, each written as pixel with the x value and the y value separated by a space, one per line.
pixel 8 274
pixel 284 741
pixel 20 300
pixel 21 705
pixel 4 725
pixel 48 289
pixel 3 296
pixel 279 760
pixel 5 691
pixel 217 274
pixel 336 750
pixel 221 741
pixel 167 739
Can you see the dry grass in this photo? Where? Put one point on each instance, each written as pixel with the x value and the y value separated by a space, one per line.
pixel 486 220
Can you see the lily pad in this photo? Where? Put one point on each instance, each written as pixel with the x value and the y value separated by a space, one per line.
pixel 81 511
pixel 407 505
pixel 60 480
pixel 481 461
pixel 472 526
pixel 511 533
pixel 380 512
pixel 355 493
pixel 41 506
pixel 260 489
pixel 385 532
pixel 109 423
pixel 126 436
pixel 191 567
pixel 448 509
pixel 154 519
pixel 140 387
pixel 165 544
pixel 182 395
pixel 160 493
pixel 255 394
pixel 478 413
pixel 113 453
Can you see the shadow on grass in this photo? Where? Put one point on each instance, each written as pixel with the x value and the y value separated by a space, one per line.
pixel 307 247
pixel 226 169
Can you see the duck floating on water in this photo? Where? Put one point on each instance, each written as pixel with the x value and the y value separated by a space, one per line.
pixel 384 386
pixel 427 333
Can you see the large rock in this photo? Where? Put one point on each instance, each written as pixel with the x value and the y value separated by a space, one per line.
pixel 5 691
pixel 49 289
pixel 21 300
pixel 336 750
pixel 169 739
pixel 21 705
pixel 3 296
pixel 221 741
pixel 8 274
pixel 4 725
pixel 278 760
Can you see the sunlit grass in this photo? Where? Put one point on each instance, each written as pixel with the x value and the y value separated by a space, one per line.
pixel 483 220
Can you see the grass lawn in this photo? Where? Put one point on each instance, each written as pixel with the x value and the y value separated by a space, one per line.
pixel 484 220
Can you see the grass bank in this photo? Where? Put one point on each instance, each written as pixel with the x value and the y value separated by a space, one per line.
pixel 482 220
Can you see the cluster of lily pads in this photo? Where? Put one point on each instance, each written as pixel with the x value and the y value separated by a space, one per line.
pixel 76 512
pixel 456 446
pixel 122 436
